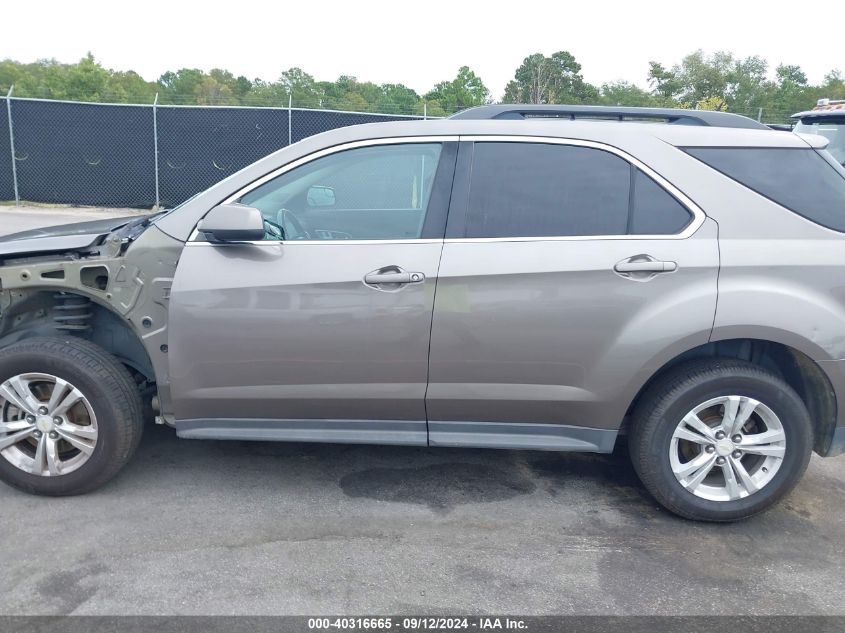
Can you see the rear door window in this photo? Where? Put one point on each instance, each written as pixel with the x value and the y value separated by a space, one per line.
pixel 523 189
pixel 545 190
pixel 799 179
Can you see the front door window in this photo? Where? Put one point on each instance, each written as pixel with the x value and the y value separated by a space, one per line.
pixel 367 193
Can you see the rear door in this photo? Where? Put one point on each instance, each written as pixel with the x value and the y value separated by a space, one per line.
pixel 568 272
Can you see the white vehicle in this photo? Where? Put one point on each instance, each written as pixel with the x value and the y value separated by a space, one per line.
pixel 827 119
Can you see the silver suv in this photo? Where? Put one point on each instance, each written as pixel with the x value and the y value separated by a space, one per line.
pixel 491 281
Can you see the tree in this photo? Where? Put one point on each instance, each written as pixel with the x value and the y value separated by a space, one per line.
pixel 554 79
pixel 791 75
pixel 464 91
pixel 722 81
pixel 622 93
pixel 397 98
pixel 182 86
pixel 716 104
pixel 212 91
pixel 129 87
pixel 713 81
pixel 86 81
pixel 747 88
pixel 663 82
pixel 301 88
pixel 834 85
pixel 265 93
pixel 10 73
pixel 788 94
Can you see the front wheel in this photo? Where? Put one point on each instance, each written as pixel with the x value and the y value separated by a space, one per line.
pixel 720 440
pixel 70 416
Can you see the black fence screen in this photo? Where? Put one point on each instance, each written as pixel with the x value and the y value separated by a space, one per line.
pixel 104 155
pixel 199 146
pixel 77 153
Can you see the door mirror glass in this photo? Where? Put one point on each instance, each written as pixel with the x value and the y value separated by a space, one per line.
pixel 320 196
pixel 233 223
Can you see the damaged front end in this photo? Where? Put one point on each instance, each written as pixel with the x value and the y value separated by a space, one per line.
pixel 106 281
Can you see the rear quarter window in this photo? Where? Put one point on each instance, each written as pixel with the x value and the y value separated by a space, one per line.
pixel 653 210
pixel 799 179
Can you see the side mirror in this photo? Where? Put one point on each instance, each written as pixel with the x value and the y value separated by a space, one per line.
pixel 320 196
pixel 233 223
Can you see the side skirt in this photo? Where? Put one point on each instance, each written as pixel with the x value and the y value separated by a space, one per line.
pixel 538 437
pixel 547 437
pixel 397 432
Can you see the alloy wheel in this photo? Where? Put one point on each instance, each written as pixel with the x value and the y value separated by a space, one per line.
pixel 47 425
pixel 727 448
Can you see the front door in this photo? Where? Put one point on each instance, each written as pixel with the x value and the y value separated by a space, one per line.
pixel 321 331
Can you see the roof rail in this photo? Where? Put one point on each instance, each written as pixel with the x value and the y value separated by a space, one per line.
pixel 619 113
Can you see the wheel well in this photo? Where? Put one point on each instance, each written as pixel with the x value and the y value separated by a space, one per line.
pixel 47 313
pixel 797 369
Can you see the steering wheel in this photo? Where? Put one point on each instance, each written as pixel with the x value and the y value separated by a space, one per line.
pixel 277 231
pixel 285 219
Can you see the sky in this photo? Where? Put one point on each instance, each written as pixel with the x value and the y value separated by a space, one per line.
pixel 417 44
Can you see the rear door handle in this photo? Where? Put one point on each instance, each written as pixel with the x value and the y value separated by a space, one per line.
pixel 648 266
pixel 393 276
pixel 643 267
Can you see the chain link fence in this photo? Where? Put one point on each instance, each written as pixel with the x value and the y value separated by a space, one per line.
pixel 771 116
pixel 7 177
pixel 142 156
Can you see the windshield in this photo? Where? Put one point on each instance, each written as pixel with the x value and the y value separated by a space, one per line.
pixel 832 129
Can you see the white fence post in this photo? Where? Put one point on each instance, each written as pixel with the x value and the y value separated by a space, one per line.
pixel 155 150
pixel 290 119
pixel 12 145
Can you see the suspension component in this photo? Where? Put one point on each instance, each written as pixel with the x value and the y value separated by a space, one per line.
pixel 72 312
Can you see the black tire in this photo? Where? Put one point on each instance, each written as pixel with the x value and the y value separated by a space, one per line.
pixel 665 403
pixel 112 393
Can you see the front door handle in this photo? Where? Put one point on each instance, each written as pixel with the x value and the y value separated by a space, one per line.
pixel 393 275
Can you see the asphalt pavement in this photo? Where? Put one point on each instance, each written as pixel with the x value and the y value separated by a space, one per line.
pixel 208 527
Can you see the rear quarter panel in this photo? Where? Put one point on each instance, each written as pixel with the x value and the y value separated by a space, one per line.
pixel 781 278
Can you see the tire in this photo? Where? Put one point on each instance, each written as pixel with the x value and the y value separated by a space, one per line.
pixel 659 449
pixel 106 421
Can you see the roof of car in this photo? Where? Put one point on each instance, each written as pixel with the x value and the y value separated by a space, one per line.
pixel 832 113
pixel 825 108
pixel 672 116
pixel 599 131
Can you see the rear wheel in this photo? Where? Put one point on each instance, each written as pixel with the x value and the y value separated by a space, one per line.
pixel 70 416
pixel 720 440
